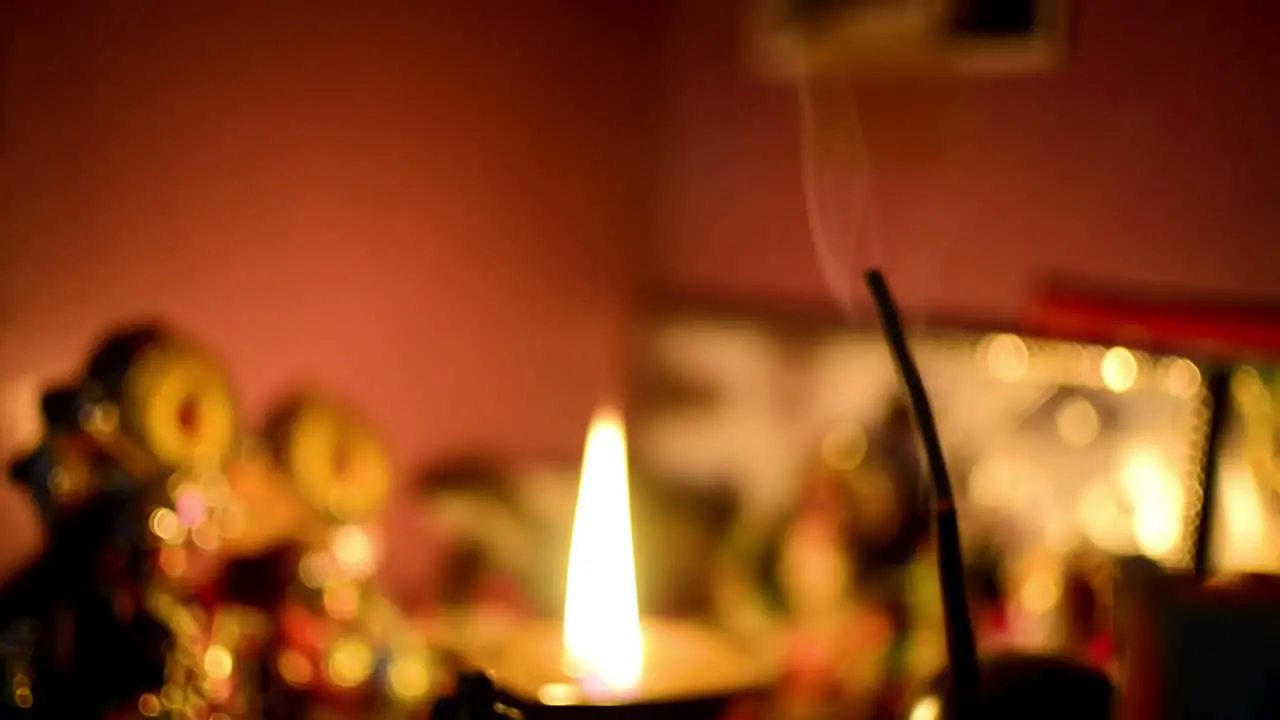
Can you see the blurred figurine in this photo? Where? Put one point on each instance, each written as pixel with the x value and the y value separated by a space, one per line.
pixel 836 571
pixel 128 479
pixel 244 581
pixel 338 637
pixel 484 540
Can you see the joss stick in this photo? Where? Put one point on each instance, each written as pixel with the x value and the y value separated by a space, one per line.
pixel 962 653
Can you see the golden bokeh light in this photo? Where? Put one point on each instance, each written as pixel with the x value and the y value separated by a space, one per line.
pixel 1157 498
pixel 353 549
pixel 1119 369
pixel 1007 358
pixel 1078 422
pixel 350 662
pixel 408 677
pixel 1181 377
pixel 149 705
pixel 844 448
pixel 218 662
pixel 23 698
pixel 207 536
pixel 928 708
pixel 341 600
pixel 165 525
pixel 314 570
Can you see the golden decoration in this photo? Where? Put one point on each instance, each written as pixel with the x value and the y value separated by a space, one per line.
pixel 337 461
pixel 179 405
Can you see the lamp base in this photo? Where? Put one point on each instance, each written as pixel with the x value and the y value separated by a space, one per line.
pixel 709 708
pixel 476 698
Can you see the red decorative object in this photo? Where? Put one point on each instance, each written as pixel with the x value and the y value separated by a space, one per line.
pixel 1212 327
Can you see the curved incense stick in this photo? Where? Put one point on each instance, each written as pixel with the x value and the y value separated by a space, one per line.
pixel 962 653
pixel 1218 398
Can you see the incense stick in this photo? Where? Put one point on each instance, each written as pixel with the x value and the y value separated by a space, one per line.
pixel 962 653
pixel 1218 399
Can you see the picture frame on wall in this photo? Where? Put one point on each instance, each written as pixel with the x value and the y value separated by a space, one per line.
pixel 793 39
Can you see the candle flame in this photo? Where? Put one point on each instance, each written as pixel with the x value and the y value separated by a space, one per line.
pixel 602 637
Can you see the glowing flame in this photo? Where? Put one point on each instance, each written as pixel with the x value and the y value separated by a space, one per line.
pixel 602 638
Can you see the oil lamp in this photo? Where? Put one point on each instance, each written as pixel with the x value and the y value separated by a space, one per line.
pixel 604 660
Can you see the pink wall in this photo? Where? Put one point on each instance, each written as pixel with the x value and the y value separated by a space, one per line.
pixel 443 210
pixel 426 205
pixel 1152 160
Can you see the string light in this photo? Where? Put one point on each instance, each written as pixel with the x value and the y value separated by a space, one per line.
pixel 350 662
pixel 1007 358
pixel 166 526
pixel 1119 369
pixel 1181 377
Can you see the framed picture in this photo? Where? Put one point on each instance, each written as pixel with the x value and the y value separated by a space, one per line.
pixel 795 38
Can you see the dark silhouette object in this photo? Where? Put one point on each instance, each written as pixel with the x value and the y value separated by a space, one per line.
pixel 995 18
pixel 1018 685
pixel 481 477
pixel 985 575
pixel 878 558
pixel 475 698
pixel 74 618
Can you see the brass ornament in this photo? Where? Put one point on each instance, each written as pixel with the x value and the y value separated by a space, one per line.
pixel 178 403
pixel 338 462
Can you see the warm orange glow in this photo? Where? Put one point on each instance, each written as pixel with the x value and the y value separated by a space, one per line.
pixel 353 549
pixel 218 662
pixel 295 668
pixel 602 637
